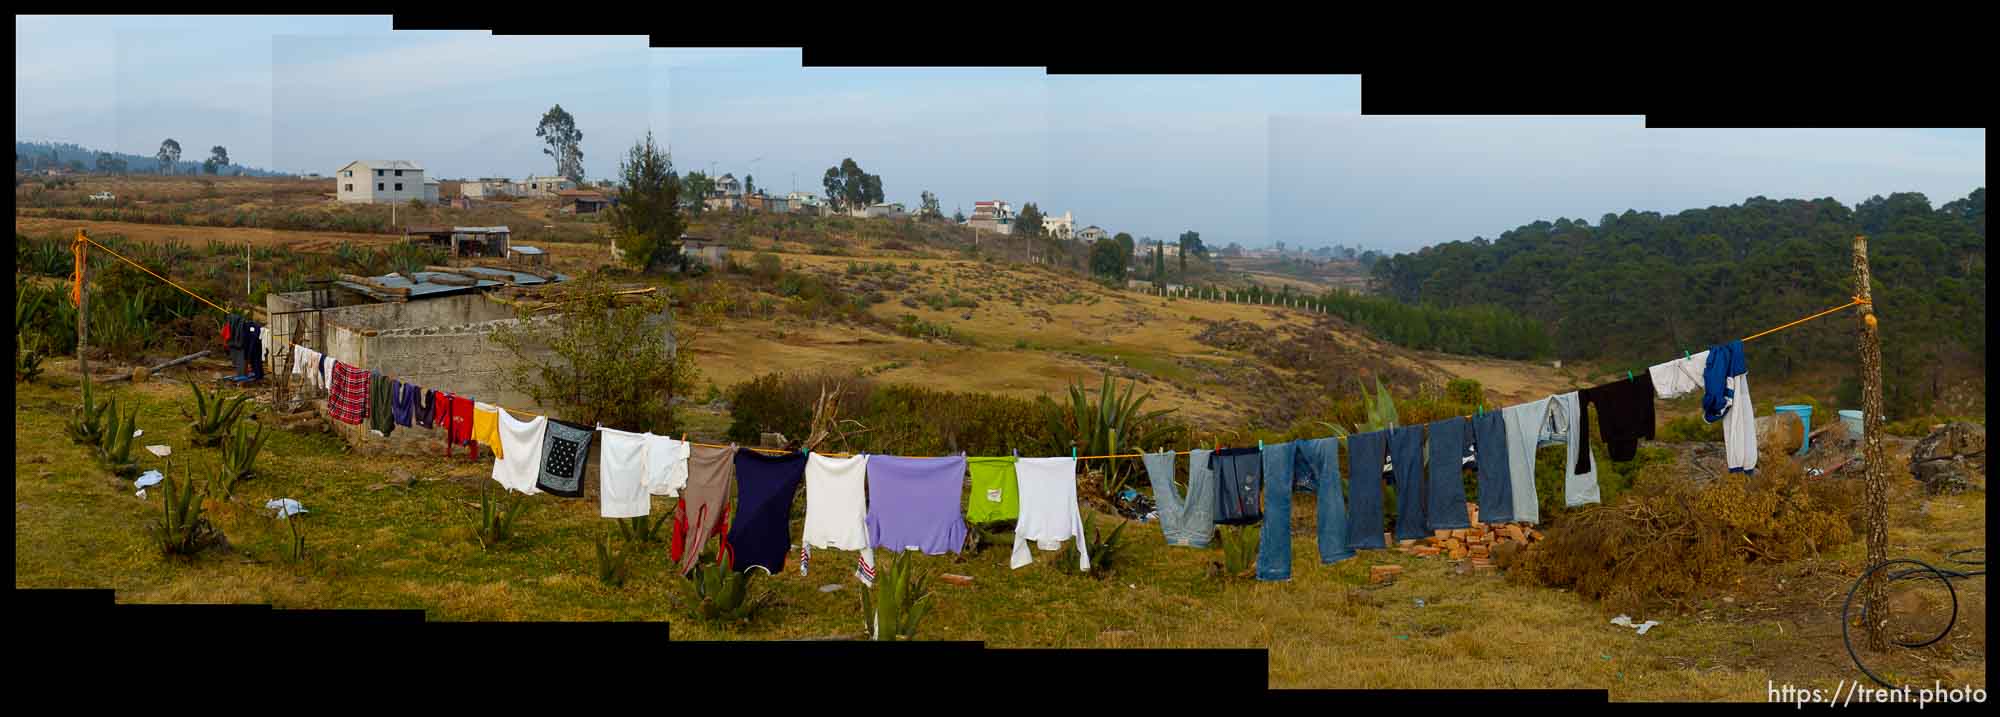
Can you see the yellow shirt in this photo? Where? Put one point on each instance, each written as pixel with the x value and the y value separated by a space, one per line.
pixel 486 426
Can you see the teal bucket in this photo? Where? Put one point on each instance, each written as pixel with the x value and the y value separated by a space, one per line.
pixel 1804 413
pixel 1852 420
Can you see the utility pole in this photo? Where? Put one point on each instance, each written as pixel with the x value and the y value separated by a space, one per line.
pixel 246 269
pixel 1877 470
pixel 82 304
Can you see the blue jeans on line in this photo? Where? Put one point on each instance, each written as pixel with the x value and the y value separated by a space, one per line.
pixel 1406 450
pixel 1323 456
pixel 1364 484
pixel 1274 542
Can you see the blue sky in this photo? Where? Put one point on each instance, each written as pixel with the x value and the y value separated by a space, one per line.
pixel 1248 159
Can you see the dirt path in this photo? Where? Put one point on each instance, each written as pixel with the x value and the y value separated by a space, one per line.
pixel 298 241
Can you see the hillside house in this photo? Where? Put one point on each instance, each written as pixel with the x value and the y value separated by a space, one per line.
pixel 991 216
pixel 805 203
pixel 1092 233
pixel 535 186
pixel 432 190
pixel 486 187
pixel 886 210
pixel 727 186
pixel 722 203
pixel 1063 227
pixel 766 203
pixel 381 181
pixel 578 201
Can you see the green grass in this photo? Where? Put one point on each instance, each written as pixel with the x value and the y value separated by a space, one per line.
pixel 411 547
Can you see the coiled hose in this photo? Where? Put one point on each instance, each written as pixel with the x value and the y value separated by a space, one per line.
pixel 1923 570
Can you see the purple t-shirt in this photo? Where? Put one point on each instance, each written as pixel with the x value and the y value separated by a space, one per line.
pixel 913 502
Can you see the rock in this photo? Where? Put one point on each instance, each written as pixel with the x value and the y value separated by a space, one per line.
pixel 956 579
pixel 140 374
pixel 1384 573
pixel 1951 459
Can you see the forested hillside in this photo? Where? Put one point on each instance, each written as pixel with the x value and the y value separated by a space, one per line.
pixel 1642 287
pixel 41 155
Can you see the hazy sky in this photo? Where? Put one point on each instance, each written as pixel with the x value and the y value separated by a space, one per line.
pixel 1249 159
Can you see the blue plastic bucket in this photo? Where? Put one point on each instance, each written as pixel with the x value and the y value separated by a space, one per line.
pixel 1852 420
pixel 1804 413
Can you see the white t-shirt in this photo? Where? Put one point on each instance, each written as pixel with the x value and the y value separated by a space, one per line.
pixel 836 502
pixel 1679 377
pixel 666 465
pixel 522 441
pixel 621 474
pixel 1049 514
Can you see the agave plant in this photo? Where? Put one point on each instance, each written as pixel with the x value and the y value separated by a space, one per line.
pixel 1099 425
pixel 613 564
pixel 214 416
pixel 642 529
pixel 717 594
pixel 495 523
pixel 116 449
pixel 86 423
pixel 1104 548
pixel 239 453
pixel 895 607
pixel 1239 549
pixel 297 549
pixel 182 530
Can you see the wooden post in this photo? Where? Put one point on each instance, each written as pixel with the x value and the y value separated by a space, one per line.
pixel 1875 606
pixel 83 307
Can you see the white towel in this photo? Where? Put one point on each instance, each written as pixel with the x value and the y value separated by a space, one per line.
pixel 621 474
pixel 522 440
pixel 837 511
pixel 1049 514
pixel 1678 377
pixel 305 362
pixel 666 465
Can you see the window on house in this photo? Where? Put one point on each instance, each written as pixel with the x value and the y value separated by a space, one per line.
pixel 399 173
pixel 399 186
pixel 378 173
pixel 347 172
pixel 378 186
pixel 350 188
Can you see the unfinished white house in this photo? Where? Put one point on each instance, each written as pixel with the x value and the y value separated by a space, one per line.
pixel 381 181
pixel 542 186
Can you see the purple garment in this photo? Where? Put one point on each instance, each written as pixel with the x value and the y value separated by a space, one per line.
pixel 914 502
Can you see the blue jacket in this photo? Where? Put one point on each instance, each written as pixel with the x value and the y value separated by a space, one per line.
pixel 1724 361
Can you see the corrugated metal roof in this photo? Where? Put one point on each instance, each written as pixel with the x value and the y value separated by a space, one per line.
pixel 525 249
pixel 481 230
pixel 423 288
pixel 521 278
pixel 384 164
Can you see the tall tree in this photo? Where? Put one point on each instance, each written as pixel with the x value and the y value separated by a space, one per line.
pixel 958 215
pixel 647 220
pixel 930 208
pixel 848 187
pixel 565 142
pixel 1108 260
pixel 695 187
pixel 749 185
pixel 220 155
pixel 1028 223
pixel 1126 244
pixel 104 160
pixel 1159 262
pixel 170 154
pixel 1191 244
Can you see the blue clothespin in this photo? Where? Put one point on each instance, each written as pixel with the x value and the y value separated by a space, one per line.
pixel 1072 452
pixel 1628 374
pixel 1260 445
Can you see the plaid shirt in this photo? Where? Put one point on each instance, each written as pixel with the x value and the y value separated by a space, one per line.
pixel 347 394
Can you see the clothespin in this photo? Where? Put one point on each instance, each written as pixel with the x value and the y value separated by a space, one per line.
pixel 1684 354
pixel 1260 444
pixel 1628 374
pixel 1072 452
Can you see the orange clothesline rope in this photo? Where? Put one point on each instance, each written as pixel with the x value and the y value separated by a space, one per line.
pixel 170 282
pixel 1856 301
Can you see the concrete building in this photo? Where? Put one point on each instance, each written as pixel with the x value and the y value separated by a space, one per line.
pixel 432 188
pixel 1145 249
pixel 463 242
pixel 1092 233
pixel 991 216
pixel 804 202
pixel 712 253
pixel 380 181
pixel 886 210
pixel 535 186
pixel 727 186
pixel 486 187
pixel 435 332
pixel 578 201
pixel 1063 227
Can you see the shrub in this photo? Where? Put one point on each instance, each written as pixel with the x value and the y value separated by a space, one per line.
pixel 181 530
pixel 495 522
pixel 86 423
pixel 614 565
pixel 1671 539
pixel 116 449
pixel 642 529
pixel 1464 390
pixel 1104 548
pixel 714 593
pixel 1691 429
pixel 239 453
pixel 1239 549
pixel 604 361
pixel 214 417
pixel 1105 424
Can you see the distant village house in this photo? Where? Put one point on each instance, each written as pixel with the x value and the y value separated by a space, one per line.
pixel 382 181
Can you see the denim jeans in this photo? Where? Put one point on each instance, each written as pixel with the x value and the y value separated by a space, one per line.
pixel 1445 494
pixel 1322 457
pixel 1239 478
pixel 1364 488
pixel 1496 492
pixel 1187 520
pixel 1406 450
pixel 1274 542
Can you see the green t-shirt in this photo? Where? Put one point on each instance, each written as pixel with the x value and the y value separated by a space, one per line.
pixel 994 493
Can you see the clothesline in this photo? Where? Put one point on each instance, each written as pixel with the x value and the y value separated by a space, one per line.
pixel 1854 301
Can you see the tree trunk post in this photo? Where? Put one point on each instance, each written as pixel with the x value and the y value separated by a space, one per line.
pixel 82 305
pixel 1877 478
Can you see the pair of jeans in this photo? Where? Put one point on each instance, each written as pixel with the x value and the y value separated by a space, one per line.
pixel 1496 490
pixel 1187 520
pixel 1239 478
pixel 1406 450
pixel 1444 507
pixel 1322 457
pixel 1364 488
pixel 1274 541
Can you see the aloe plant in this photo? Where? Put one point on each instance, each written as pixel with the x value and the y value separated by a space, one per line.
pixel 28 357
pixel 239 453
pixel 297 549
pixel 182 530
pixel 613 564
pixel 1104 548
pixel 901 597
pixel 214 416
pixel 1239 549
pixel 86 424
pixel 1099 425
pixel 495 524
pixel 717 594
pixel 642 529
pixel 116 449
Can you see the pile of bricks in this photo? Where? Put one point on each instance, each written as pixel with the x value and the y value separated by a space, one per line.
pixel 1475 544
